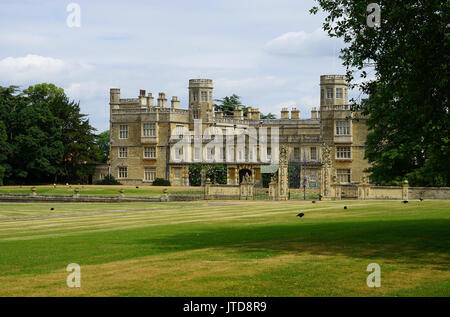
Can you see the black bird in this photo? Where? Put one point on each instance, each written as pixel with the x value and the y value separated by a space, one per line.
pixel 313 201
pixel 345 207
pixel 300 214
pixel 421 199
pixel 52 208
pixel 137 186
pixel 405 201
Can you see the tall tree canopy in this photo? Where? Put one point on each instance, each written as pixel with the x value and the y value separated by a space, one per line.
pixel 407 84
pixel 229 103
pixel 102 141
pixel 48 139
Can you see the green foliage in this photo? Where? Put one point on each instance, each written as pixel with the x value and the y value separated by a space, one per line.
pixel 407 105
pixel 195 174
pixel 108 180
pixel 161 182
pixel 217 173
pixel 3 151
pixel 48 140
pixel 294 176
pixel 228 104
pixel 266 178
pixel 102 141
pixel 268 116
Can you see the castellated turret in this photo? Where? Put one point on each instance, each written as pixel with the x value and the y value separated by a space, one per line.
pixel 201 99
pixel 333 90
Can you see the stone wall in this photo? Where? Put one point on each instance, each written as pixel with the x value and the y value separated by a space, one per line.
pixel 429 192
pixel 385 192
pixel 225 192
pixel 367 191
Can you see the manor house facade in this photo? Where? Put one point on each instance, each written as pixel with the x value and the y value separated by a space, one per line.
pixel 145 134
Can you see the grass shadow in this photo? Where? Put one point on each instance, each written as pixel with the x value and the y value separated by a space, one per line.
pixel 403 241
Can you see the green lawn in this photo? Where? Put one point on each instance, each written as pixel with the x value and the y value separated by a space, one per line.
pixel 230 248
pixel 149 191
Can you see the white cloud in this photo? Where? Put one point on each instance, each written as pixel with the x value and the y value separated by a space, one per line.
pixel 301 43
pixel 35 67
pixel 87 90
pixel 252 83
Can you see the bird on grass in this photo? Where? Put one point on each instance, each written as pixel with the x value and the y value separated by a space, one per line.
pixel 137 186
pixel 345 207
pixel 421 199
pixel 300 215
pixel 405 201
pixel 52 208
pixel 313 201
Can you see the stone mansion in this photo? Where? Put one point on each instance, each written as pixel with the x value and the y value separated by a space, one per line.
pixel 144 135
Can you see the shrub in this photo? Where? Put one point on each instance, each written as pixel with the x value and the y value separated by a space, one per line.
pixel 108 180
pixel 161 182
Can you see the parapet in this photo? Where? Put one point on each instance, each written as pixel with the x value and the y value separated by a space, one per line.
pixel 333 79
pixel 200 83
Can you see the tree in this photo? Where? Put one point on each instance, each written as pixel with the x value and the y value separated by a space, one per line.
pixel 3 150
pixel 407 106
pixel 102 141
pixel 76 134
pixel 228 104
pixel 268 116
pixel 47 138
pixel 33 138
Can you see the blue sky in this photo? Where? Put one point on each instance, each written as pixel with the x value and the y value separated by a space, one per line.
pixel 271 53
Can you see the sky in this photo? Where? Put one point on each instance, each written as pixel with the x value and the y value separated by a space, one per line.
pixel 271 53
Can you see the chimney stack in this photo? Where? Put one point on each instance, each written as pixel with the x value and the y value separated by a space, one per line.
pixel 238 112
pixel 314 113
pixel 175 103
pixel 150 100
pixel 295 114
pixel 162 101
pixel 285 113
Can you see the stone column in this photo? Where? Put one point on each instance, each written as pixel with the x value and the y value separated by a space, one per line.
pixel 273 188
pixel 207 189
pixel 405 189
pixel 363 189
pixel 283 181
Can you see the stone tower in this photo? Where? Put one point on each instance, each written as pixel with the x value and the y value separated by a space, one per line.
pixel 201 103
pixel 333 104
